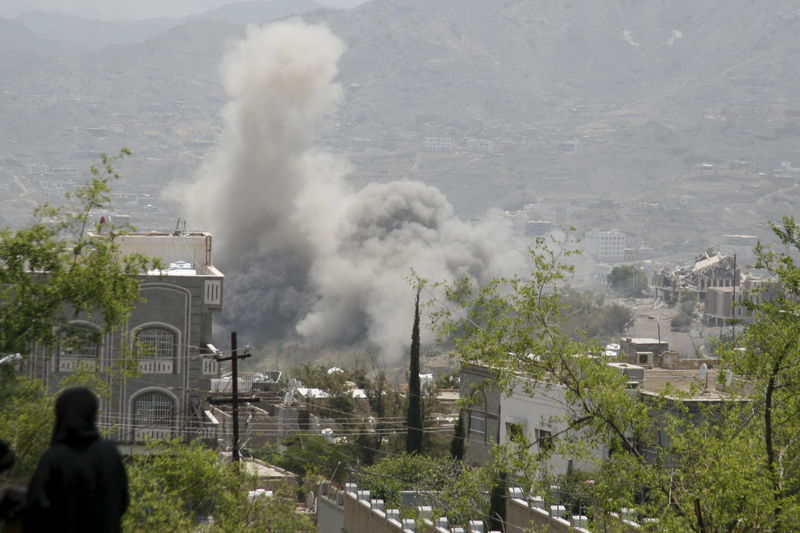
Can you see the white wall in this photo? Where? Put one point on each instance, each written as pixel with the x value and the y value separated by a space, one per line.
pixel 540 411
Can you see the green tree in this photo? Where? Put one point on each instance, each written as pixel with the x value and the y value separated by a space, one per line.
pixel 497 503
pixel 60 267
pixel 178 487
pixel 589 317
pixel 767 356
pixel 57 268
pixel 307 454
pixel 26 422
pixel 700 479
pixel 415 415
pixel 391 475
pixel 627 280
pixel 457 444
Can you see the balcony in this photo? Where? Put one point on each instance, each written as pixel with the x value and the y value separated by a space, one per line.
pixel 156 366
pixel 152 433
pixel 71 363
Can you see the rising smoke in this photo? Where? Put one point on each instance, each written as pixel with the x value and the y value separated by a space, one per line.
pixel 303 251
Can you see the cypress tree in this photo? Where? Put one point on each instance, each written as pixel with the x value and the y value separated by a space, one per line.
pixel 457 444
pixel 414 418
pixel 497 504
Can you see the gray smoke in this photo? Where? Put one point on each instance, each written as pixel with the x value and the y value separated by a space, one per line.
pixel 303 252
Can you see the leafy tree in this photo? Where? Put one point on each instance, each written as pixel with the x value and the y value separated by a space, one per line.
pixel 680 322
pixel 307 454
pixel 26 422
pixel 497 503
pixel 52 271
pixel 589 317
pixel 322 377
pixel 391 475
pixel 415 414
pixel 688 302
pixel 702 477
pixel 178 487
pixel 627 280
pixel 459 493
pixel 56 268
pixel 768 356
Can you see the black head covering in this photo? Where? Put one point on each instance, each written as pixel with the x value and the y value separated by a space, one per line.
pixel 6 456
pixel 76 412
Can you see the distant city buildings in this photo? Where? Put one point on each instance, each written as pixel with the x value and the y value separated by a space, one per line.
pixel 605 246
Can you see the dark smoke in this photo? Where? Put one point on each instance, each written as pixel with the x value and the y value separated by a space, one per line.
pixel 302 251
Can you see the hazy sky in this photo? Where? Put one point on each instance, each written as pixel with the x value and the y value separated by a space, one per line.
pixel 124 9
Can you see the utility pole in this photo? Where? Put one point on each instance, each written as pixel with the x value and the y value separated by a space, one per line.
pixel 235 389
pixel 733 300
pixel 235 400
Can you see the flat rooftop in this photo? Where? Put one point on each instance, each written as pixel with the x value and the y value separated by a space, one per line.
pixel 657 380
pixel 181 253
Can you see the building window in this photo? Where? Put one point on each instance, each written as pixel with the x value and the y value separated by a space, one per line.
pixel 478 417
pixel 153 416
pixel 156 342
pixel 78 348
pixel 544 439
pixel 515 431
pixel 477 426
pixel 213 292
pixel 156 349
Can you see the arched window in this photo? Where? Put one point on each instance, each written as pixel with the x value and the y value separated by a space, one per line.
pixel 78 348
pixel 156 348
pixel 156 342
pixel 153 416
pixel 477 416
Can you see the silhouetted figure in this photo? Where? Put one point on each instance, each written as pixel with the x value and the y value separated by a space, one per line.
pixel 12 497
pixel 80 483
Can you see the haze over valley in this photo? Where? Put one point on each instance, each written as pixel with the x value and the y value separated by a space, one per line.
pixel 674 123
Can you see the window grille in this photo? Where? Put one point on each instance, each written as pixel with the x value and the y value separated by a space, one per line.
pixel 79 342
pixel 153 410
pixel 158 343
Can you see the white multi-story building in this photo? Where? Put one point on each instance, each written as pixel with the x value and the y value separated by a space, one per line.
pixel 605 246
pixel 439 144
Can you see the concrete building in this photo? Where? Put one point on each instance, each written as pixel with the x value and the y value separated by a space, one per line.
pixel 709 270
pixel 439 144
pixel 648 365
pixel 605 246
pixel 165 338
pixel 482 414
pixel 723 304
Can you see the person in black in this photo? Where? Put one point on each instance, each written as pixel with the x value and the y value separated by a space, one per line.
pixel 80 483
pixel 12 497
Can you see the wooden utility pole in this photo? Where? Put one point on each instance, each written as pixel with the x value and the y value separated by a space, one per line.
pixel 733 300
pixel 235 400
pixel 235 390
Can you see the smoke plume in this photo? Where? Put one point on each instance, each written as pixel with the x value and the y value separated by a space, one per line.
pixel 303 251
